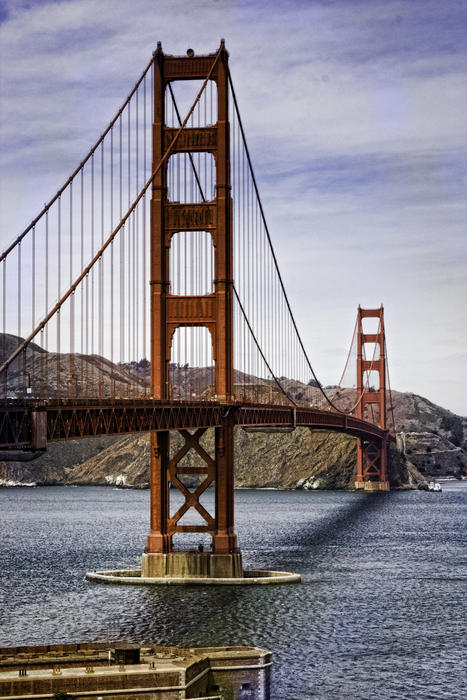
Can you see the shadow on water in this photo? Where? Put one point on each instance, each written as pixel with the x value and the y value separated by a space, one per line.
pixel 328 527
pixel 327 524
pixel 193 615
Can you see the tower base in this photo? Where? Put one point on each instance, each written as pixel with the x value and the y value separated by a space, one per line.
pixel 192 568
pixel 372 485
pixel 191 565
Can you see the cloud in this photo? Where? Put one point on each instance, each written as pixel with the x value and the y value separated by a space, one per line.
pixel 355 118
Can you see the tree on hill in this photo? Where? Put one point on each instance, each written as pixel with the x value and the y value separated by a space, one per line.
pixel 453 425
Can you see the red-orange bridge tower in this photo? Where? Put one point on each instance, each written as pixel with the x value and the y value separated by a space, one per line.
pixel 213 311
pixel 372 471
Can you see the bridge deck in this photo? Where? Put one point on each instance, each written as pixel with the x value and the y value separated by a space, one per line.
pixel 29 424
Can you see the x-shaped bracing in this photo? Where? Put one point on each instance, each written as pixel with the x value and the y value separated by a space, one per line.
pixel 371 460
pixel 192 499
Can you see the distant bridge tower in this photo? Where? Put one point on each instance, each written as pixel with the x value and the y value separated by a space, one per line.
pixel 371 454
pixel 213 311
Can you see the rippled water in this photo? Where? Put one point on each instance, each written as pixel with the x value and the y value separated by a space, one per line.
pixel 379 614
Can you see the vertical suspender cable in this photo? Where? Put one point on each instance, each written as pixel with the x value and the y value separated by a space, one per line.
pixel 81 268
pixel 19 289
pixel 57 373
pixel 71 363
pixel 92 316
pixel 137 260
pixel 33 299
pixel 144 280
pixel 122 248
pixel 128 263
pixel 101 286
pixel 46 275
pixel 112 286
pixel 4 324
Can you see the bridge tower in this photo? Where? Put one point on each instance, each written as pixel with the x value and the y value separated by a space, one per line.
pixel 371 454
pixel 213 311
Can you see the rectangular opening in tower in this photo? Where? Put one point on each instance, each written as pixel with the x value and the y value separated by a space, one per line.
pixel 371 325
pixel 191 376
pixel 371 380
pixel 372 413
pixel 191 263
pixel 180 95
pixel 191 178
pixel 371 351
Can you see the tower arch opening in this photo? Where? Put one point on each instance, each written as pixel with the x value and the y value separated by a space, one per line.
pixel 191 262
pixel 191 375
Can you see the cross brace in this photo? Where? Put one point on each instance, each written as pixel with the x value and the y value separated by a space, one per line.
pixel 169 471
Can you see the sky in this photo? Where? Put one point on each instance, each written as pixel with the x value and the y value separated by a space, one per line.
pixel 355 116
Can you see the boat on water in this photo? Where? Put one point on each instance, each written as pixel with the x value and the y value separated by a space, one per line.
pixel 429 486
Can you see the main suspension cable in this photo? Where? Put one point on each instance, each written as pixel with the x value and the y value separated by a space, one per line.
pixel 105 245
pixel 48 204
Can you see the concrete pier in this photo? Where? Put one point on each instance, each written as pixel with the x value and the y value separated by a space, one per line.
pixel 191 568
pixel 372 485
pixel 192 564
pixel 133 577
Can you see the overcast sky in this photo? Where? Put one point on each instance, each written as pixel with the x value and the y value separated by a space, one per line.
pixel 355 114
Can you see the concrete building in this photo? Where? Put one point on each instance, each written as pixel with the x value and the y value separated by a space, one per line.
pixel 121 671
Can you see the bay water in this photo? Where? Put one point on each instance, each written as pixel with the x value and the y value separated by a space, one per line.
pixel 380 612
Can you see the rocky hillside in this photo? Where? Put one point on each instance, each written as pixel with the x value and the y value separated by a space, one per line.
pixel 52 467
pixel 262 459
pixel 302 458
pixel 63 375
pixel 431 438
pixel 431 441
pixel 428 446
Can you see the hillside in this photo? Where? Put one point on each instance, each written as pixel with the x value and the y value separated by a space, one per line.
pixel 432 441
pixel 304 458
pixel 313 459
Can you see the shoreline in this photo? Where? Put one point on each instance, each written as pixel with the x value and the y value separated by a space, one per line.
pixel 33 485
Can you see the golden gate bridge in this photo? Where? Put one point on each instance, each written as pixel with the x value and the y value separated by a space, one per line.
pixel 146 296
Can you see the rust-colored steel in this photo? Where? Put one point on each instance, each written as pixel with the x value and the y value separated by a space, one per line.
pixel 24 424
pixel 214 311
pixel 371 452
